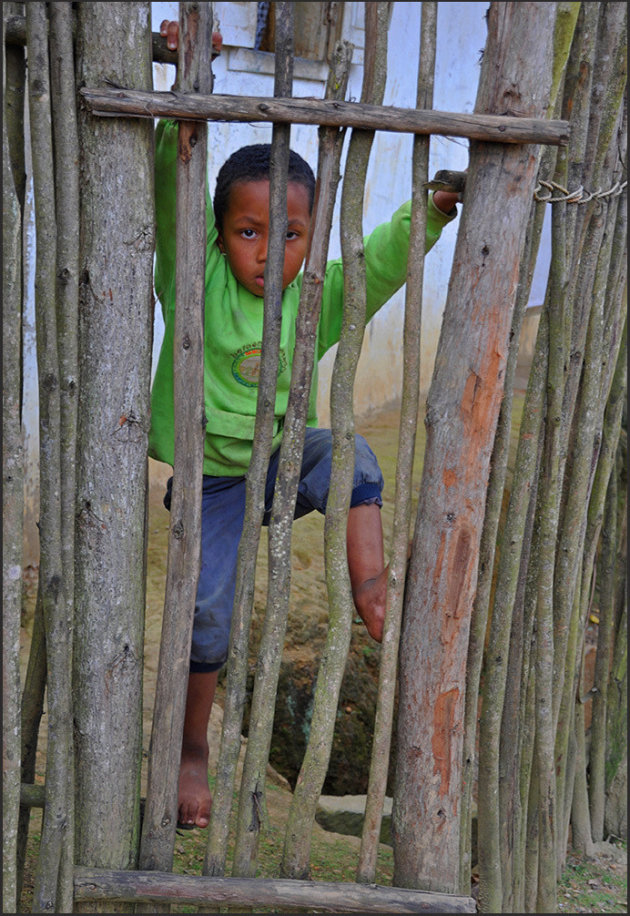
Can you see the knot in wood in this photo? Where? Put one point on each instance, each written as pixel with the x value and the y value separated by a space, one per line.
pixel 49 382
pixel 178 530
pixel 186 342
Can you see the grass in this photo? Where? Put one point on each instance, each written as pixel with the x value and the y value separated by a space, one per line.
pixel 334 857
pixel 598 885
pixel 592 886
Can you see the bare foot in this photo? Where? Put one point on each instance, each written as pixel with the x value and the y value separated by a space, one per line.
pixel 195 800
pixel 370 599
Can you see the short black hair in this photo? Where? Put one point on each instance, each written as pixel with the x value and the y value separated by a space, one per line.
pixel 252 163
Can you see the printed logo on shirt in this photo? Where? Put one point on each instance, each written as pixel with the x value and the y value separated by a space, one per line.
pixel 246 365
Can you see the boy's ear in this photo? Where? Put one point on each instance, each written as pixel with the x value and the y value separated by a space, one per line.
pixel 220 243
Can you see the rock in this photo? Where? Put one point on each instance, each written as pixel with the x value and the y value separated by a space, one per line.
pixel 215 726
pixel 345 813
pixel 349 765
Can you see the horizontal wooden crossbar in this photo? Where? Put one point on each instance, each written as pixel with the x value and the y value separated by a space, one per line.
pixel 490 128
pixel 15 34
pixel 195 890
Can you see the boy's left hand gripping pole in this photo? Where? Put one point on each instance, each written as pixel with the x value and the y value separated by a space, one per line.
pixel 184 552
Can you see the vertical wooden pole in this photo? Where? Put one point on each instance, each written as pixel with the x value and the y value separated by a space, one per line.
pixel 184 552
pixel 51 574
pixel 462 412
pixel 66 144
pixel 115 333
pixel 313 770
pixel 216 852
pixel 379 765
pixel 272 642
pixel 13 500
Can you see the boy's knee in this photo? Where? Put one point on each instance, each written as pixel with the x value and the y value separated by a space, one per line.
pixel 366 466
pixel 209 650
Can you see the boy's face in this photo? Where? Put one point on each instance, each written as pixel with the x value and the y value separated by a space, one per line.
pixel 245 234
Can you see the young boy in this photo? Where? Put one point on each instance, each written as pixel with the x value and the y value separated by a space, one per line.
pixel 237 238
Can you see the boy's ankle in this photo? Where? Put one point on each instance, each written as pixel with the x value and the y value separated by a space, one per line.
pixel 195 748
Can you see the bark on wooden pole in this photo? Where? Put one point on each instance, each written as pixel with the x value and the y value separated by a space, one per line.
pixel 272 642
pixel 379 765
pixel 605 485
pixel 252 803
pixel 156 888
pixel 588 239
pixel 605 635
pixel 51 572
pixel 115 333
pixel 14 95
pixel 216 851
pixel 184 551
pixel 492 846
pixel 462 411
pixel 313 771
pixel 363 116
pixel 31 713
pixel 499 736
pixel 580 464
pixel 12 521
pixel 66 145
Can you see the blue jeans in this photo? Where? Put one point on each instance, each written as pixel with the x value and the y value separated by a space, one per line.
pixel 222 514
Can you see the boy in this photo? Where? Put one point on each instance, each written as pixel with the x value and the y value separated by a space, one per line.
pixel 237 237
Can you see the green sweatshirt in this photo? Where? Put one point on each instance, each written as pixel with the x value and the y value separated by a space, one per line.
pixel 234 321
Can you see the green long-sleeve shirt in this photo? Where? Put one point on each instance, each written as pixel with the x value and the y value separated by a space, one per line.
pixel 234 322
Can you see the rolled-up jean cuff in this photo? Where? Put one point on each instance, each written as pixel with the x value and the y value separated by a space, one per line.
pixel 366 493
pixel 205 667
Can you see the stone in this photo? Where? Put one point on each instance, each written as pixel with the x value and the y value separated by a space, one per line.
pixel 345 814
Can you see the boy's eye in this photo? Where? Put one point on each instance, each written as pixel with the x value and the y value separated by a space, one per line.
pixel 248 233
pixel 291 235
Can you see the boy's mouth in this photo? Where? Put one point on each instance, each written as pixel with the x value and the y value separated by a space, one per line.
pixel 259 281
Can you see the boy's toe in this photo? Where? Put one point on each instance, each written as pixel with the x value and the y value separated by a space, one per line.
pixel 203 815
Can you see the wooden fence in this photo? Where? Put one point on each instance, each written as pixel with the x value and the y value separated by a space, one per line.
pixel 506 147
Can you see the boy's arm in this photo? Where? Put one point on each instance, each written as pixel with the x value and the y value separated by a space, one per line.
pixel 165 213
pixel 386 251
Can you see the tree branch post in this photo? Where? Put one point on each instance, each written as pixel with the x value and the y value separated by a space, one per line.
pixel 379 766
pixel 184 550
pixel 252 802
pixel 12 522
pixel 462 411
pixel 115 336
pixel 313 771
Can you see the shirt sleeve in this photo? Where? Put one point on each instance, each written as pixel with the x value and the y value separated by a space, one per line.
pixel 166 138
pixel 385 267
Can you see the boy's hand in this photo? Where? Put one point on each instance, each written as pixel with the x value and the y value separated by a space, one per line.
pixel 448 189
pixel 169 29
